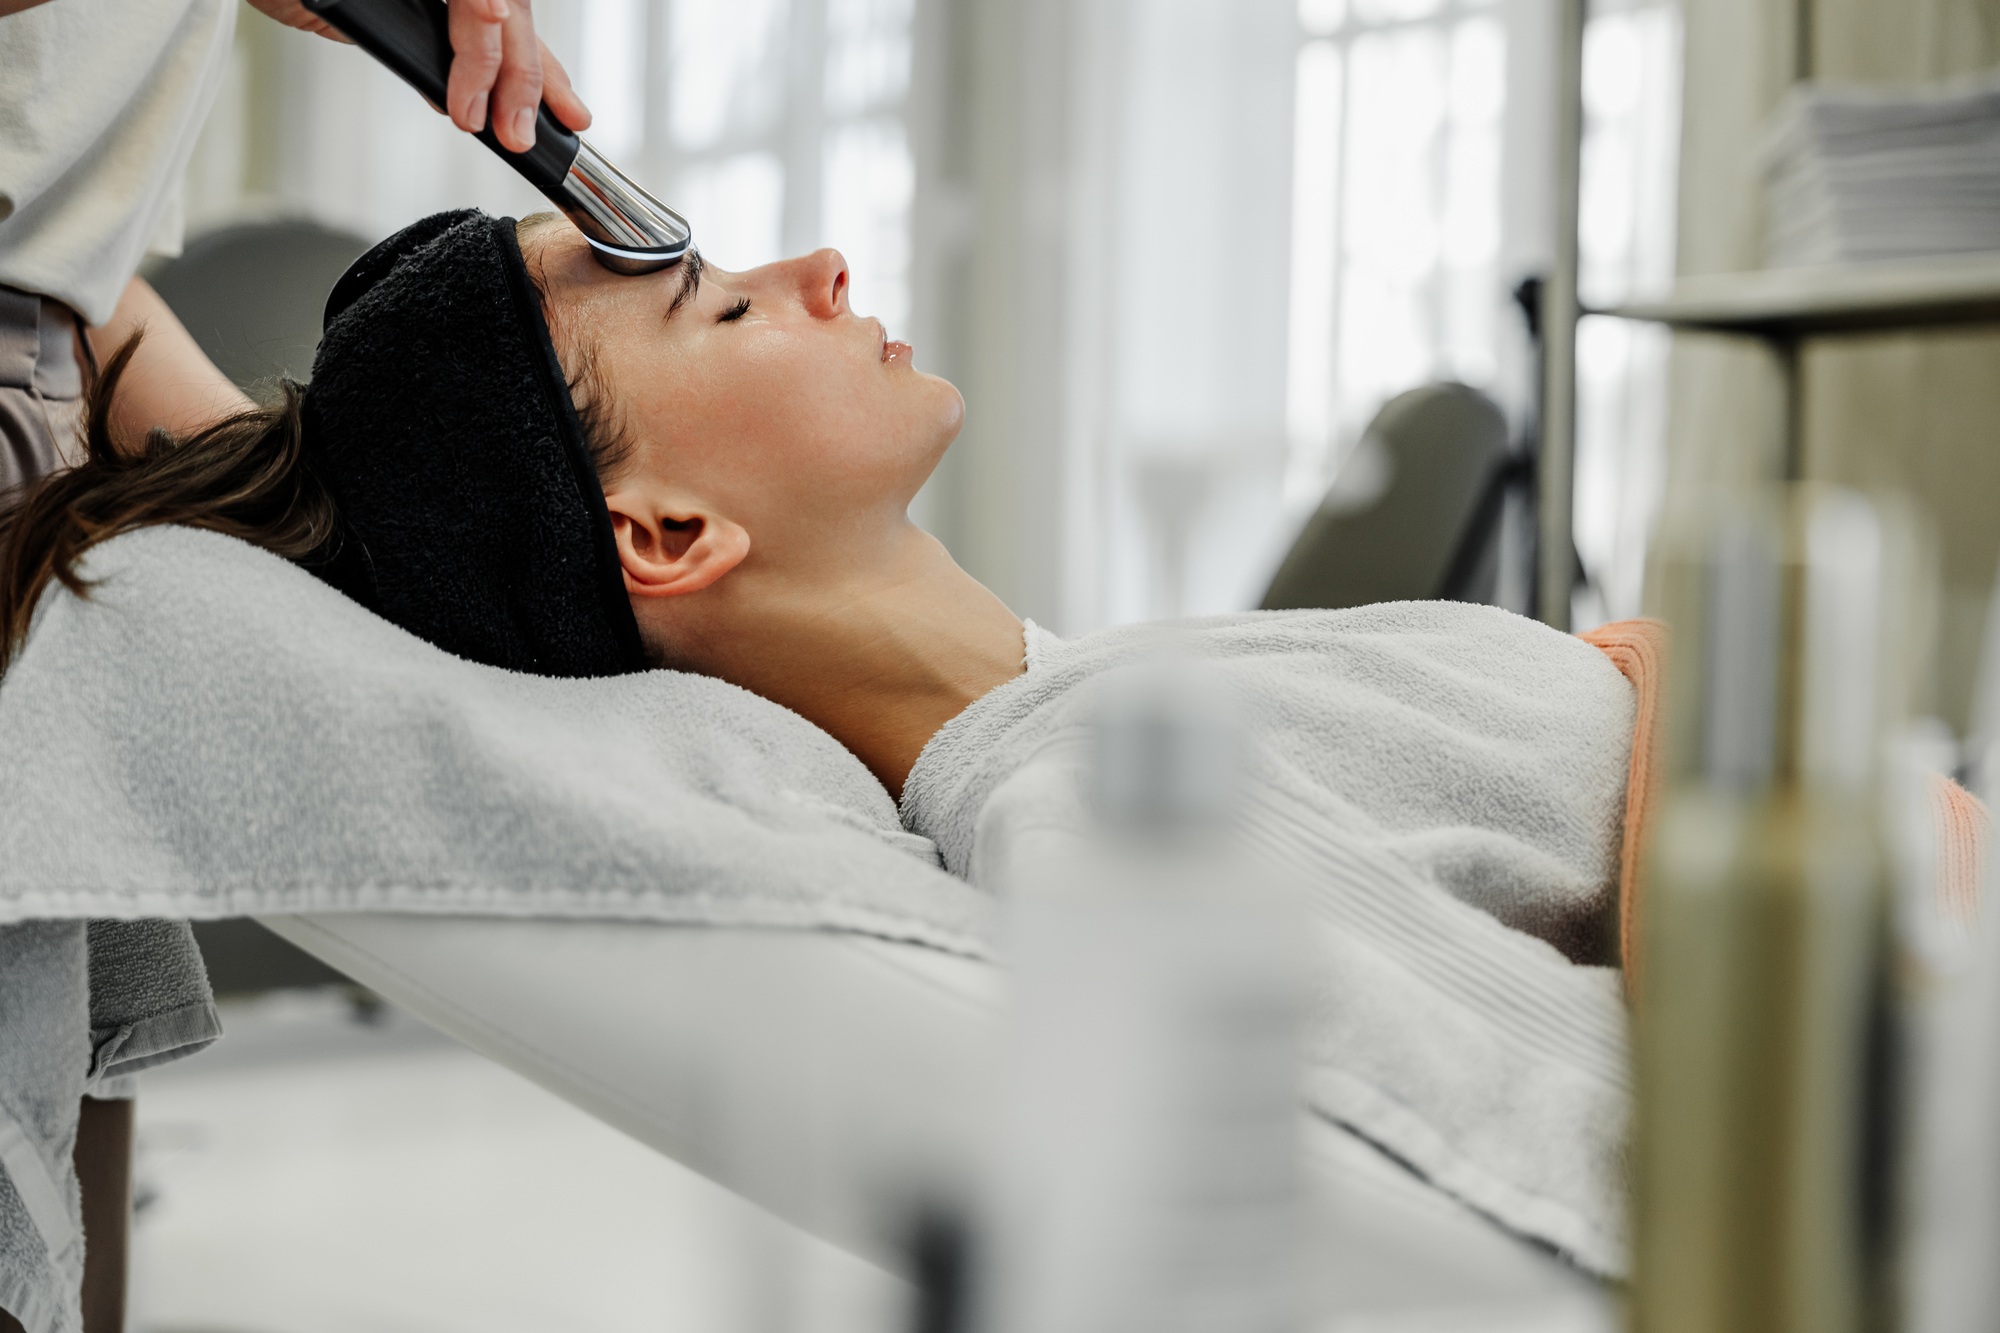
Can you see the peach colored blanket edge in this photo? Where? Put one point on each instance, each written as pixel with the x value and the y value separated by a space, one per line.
pixel 1638 648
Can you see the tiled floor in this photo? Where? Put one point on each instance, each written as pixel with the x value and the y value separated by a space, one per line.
pixel 315 1174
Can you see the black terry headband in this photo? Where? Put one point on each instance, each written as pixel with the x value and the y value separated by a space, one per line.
pixel 438 416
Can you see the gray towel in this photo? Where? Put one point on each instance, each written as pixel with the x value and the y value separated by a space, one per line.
pixel 1433 770
pixel 149 1000
pixel 83 1007
pixel 44 1059
pixel 217 733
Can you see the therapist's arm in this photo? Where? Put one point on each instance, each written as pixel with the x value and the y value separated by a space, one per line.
pixel 171 383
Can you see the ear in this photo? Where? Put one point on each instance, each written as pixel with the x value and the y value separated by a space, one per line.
pixel 672 549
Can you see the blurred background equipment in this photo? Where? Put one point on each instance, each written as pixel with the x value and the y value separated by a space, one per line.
pixel 1149 1174
pixel 1952 1199
pixel 244 958
pixel 1419 510
pixel 252 293
pixel 1768 1085
pixel 1877 375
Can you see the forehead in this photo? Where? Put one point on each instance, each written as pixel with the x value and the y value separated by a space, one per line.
pixel 553 247
pixel 570 274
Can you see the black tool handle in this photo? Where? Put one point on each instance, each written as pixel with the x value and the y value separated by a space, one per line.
pixel 413 38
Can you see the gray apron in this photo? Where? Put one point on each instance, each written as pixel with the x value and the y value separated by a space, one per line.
pixel 41 387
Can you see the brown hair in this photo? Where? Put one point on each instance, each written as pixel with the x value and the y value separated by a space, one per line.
pixel 248 475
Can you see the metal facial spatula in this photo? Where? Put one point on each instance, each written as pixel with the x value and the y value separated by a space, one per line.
pixel 629 231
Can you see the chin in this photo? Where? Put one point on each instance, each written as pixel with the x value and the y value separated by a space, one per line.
pixel 951 409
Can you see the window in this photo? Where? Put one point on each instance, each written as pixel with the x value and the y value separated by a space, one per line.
pixel 775 125
pixel 1632 64
pixel 1403 172
pixel 1396 213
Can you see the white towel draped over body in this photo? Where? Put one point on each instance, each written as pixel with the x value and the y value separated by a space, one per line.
pixel 1434 770
pixel 216 733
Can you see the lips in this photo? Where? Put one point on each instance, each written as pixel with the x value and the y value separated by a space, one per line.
pixel 891 349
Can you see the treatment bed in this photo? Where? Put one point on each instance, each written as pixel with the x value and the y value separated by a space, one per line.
pixel 842 1083
pixel 699 918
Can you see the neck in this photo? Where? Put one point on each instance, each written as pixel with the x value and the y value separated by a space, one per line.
pixel 879 662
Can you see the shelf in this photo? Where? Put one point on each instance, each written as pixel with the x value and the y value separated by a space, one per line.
pixel 1844 298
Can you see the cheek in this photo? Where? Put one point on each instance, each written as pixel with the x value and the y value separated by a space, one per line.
pixel 779 422
pixel 812 408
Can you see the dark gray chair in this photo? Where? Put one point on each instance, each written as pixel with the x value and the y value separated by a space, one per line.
pixel 252 293
pixel 1415 513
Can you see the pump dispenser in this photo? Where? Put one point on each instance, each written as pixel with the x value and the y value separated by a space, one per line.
pixel 1148 1176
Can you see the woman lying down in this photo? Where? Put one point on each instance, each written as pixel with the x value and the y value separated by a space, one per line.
pixel 542 466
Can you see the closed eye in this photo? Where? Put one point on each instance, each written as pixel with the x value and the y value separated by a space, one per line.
pixel 735 312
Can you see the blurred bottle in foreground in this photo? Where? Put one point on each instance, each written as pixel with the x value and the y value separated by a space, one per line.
pixel 1148 1179
pixel 1951 1268
pixel 1764 1187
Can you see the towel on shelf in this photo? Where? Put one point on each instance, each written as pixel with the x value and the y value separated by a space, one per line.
pixel 1450 780
pixel 215 733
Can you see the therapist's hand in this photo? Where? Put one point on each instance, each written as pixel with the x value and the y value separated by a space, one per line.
pixel 498 68
pixel 498 60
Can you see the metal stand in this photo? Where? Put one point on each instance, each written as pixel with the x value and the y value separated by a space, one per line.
pixel 1556 468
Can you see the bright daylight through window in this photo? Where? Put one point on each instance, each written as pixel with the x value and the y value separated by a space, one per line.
pixel 777 123
pixel 1403 177
pixel 1396 213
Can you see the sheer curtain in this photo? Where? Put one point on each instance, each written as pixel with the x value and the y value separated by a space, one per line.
pixel 1397 214
pixel 1421 166
pixel 1192 426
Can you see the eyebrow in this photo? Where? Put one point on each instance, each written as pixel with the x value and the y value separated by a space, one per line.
pixel 690 281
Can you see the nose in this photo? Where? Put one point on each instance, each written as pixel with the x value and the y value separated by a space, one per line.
pixel 822 280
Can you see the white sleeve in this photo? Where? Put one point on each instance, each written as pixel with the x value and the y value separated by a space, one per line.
pixel 171 229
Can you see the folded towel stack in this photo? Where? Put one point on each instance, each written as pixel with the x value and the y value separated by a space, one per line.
pixel 1860 174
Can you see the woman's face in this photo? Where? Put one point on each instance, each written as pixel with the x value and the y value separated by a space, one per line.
pixel 760 394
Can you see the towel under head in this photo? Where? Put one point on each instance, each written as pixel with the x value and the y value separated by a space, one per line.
pixel 438 416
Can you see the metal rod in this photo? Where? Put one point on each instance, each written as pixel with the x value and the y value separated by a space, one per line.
pixel 1556 468
pixel 1792 457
